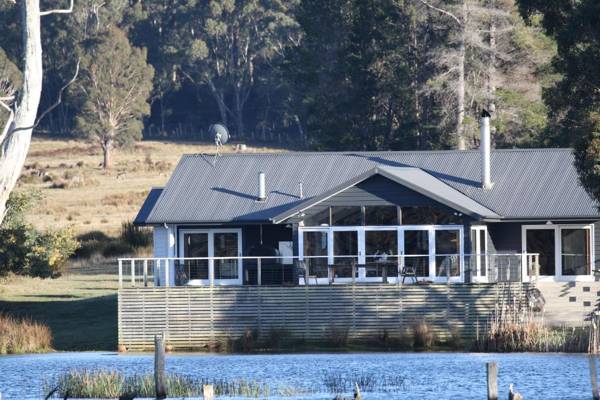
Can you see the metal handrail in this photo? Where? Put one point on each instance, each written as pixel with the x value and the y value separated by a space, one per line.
pixel 464 266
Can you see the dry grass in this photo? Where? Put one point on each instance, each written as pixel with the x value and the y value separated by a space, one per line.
pixel 22 335
pixel 78 192
pixel 512 329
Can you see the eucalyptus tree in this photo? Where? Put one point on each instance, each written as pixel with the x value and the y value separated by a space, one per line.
pixel 223 44
pixel 115 85
pixel 21 104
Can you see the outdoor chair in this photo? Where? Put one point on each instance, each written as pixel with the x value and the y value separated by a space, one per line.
pixel 409 272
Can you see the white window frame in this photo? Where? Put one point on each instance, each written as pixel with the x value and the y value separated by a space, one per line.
pixel 211 254
pixel 400 235
pixel 476 251
pixel 558 276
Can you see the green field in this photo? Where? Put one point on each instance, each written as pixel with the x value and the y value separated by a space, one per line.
pixel 80 308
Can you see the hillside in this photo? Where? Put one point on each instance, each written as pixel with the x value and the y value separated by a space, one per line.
pixel 77 192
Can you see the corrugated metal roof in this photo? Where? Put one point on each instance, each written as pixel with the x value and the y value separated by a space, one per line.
pixel 148 205
pixel 528 183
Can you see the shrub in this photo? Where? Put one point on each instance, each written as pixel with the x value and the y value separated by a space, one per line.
pixel 336 336
pixel 423 335
pixel 135 236
pixel 23 336
pixel 27 251
pixel 116 248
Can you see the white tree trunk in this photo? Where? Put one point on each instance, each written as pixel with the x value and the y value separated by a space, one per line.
pixel 15 145
pixel 460 87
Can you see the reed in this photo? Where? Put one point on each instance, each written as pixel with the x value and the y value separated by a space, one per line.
pixel 88 384
pixel 22 335
pixel 516 329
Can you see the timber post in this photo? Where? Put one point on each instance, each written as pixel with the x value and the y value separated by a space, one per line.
pixel 492 381
pixel 594 376
pixel 159 367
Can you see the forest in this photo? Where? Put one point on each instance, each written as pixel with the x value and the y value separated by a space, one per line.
pixel 316 74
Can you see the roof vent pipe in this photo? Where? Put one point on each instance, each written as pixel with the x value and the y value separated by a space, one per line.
pixel 301 188
pixel 262 187
pixel 485 149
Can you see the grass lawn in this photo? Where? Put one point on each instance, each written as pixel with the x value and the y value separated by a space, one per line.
pixel 80 309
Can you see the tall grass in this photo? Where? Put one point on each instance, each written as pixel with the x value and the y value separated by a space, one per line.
pixel 112 384
pixel 21 335
pixel 515 329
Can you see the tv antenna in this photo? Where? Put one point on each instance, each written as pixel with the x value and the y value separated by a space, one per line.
pixel 221 136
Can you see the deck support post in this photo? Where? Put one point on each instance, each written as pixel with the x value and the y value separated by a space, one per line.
pixel 132 272
pixel 145 273
pixel 259 271
pixel 120 273
pixel 492 381
pixel 167 277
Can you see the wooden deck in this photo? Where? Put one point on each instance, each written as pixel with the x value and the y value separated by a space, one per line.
pixel 194 317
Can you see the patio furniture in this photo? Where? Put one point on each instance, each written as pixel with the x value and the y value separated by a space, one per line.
pixel 409 272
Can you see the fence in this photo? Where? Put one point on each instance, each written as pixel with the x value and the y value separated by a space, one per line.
pixel 194 317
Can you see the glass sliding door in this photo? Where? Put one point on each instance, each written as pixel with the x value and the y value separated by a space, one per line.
pixel 194 245
pixel 345 253
pixel 447 250
pixel 575 251
pixel 315 247
pixel 416 251
pixel 542 241
pixel 226 246
pixel 381 251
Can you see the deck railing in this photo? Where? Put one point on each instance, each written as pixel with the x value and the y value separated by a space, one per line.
pixel 317 270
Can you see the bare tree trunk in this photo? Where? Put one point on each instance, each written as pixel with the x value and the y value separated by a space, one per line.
pixel 238 114
pixel 219 98
pixel 107 154
pixel 15 144
pixel 492 66
pixel 460 87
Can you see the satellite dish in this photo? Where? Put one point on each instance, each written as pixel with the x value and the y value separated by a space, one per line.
pixel 220 133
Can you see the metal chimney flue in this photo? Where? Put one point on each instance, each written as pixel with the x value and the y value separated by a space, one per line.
pixel 262 187
pixel 485 150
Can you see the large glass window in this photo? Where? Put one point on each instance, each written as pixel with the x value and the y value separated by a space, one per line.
pixel 428 215
pixel 226 245
pixel 346 215
pixel 447 250
pixel 315 244
pixel 381 249
pixel 345 252
pixel 381 215
pixel 194 245
pixel 416 251
pixel 541 241
pixel 319 218
pixel 575 251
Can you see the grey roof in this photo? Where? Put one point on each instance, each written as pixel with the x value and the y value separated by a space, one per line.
pixel 528 183
pixel 148 205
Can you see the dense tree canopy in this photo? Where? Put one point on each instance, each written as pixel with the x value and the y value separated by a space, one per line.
pixel 574 100
pixel 327 74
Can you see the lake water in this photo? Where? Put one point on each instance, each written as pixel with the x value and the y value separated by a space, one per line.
pixel 403 376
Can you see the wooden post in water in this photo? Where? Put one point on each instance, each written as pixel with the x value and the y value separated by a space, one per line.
pixel 594 376
pixel 208 392
pixel 492 381
pixel 159 367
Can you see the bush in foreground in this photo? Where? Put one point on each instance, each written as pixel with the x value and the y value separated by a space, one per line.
pixel 19 336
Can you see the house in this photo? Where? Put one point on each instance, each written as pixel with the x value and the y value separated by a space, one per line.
pixel 336 217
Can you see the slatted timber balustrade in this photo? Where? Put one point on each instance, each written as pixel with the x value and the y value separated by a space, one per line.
pixel 194 317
